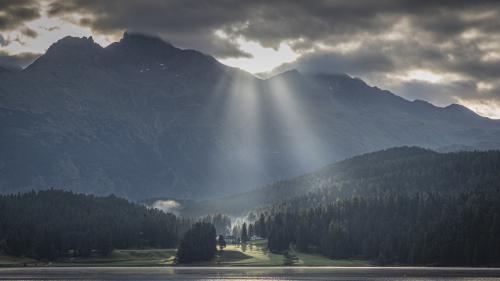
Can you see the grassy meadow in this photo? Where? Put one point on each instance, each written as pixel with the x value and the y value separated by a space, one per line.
pixel 254 253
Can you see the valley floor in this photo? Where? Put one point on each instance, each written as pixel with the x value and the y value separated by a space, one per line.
pixel 252 254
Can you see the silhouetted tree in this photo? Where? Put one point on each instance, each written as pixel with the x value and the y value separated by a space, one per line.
pixel 244 233
pixel 260 226
pixel 251 230
pixel 222 223
pixel 222 242
pixel 198 244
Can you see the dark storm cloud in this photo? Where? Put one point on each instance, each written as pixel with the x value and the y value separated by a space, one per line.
pixel 29 32
pixel 376 40
pixel 384 64
pixel 269 22
pixel 184 23
pixel 14 13
pixel 356 63
pixel 192 23
pixel 437 93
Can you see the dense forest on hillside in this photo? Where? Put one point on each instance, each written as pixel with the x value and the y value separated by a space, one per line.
pixel 403 170
pixel 50 224
pixel 402 205
pixel 222 223
pixel 422 229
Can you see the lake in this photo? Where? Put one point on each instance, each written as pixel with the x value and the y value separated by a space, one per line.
pixel 253 273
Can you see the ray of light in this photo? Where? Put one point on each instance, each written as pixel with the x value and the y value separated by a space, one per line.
pixel 239 130
pixel 307 150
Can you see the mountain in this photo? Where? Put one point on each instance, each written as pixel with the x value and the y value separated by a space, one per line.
pixel 401 171
pixel 5 69
pixel 141 118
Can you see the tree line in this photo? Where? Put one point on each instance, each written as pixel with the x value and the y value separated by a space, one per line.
pixel 420 229
pixel 222 223
pixel 54 223
pixel 401 170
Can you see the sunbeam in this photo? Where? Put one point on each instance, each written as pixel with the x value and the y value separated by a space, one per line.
pixel 305 148
pixel 239 134
pixel 258 140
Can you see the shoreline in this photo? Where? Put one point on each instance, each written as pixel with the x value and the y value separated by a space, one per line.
pixel 242 272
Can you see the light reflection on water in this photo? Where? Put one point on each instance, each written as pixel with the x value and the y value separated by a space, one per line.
pixel 332 279
pixel 252 274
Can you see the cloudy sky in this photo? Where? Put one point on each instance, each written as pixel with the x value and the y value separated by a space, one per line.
pixel 440 51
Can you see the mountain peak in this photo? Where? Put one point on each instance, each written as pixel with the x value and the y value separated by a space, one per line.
pixel 140 47
pixel 143 41
pixel 460 109
pixel 74 45
pixel 68 50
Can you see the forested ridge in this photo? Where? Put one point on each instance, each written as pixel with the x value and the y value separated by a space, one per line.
pixel 422 229
pixel 401 170
pixel 399 206
pixel 53 223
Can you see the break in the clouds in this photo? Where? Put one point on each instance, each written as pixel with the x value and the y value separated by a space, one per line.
pixel 440 51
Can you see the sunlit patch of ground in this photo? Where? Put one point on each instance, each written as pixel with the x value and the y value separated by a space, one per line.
pixel 317 260
pixel 248 255
pixel 256 254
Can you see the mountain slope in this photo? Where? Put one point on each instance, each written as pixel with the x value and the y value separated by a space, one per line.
pixel 141 118
pixel 396 171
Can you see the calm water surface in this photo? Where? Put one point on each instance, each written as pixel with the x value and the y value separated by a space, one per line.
pixel 255 273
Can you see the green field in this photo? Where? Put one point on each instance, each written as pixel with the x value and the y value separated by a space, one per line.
pixel 254 253
pixel 317 260
pixel 8 261
pixel 149 257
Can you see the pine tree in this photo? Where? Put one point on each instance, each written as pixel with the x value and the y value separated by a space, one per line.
pixel 198 244
pixel 244 233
